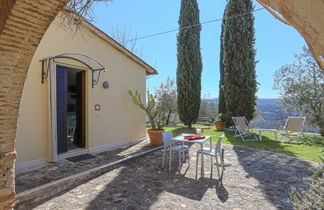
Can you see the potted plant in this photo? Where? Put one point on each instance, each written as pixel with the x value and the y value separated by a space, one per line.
pixel 154 115
pixel 219 122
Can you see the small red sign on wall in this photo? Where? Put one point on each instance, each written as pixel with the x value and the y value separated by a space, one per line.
pixel 97 107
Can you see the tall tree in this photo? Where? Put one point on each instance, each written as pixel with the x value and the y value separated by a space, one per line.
pixel 189 63
pixel 301 87
pixel 240 84
pixel 221 97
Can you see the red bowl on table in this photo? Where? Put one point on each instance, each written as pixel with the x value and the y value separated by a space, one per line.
pixel 194 137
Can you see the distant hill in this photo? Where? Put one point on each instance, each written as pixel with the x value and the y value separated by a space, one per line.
pixel 260 101
pixel 269 113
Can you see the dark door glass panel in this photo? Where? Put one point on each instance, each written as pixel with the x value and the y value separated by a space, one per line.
pixel 61 108
pixel 79 90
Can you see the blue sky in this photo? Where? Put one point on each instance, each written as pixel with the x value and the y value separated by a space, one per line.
pixel 276 42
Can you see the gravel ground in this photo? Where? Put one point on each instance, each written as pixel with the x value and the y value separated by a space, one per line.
pixel 255 180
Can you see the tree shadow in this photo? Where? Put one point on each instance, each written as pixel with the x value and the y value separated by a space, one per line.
pixel 141 183
pixel 61 169
pixel 315 140
pixel 275 173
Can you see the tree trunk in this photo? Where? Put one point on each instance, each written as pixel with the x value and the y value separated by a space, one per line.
pixel 321 126
pixel 320 123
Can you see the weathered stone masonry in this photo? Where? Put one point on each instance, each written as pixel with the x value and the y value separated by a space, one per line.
pixel 22 25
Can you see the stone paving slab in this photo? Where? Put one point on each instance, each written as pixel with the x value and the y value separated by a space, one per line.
pixel 256 180
pixel 64 168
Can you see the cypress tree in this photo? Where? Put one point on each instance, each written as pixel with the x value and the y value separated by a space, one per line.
pixel 189 66
pixel 221 97
pixel 239 60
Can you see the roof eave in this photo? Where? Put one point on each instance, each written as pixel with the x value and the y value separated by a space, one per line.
pixel 149 69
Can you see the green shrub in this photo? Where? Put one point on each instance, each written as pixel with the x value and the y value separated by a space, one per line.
pixel 313 198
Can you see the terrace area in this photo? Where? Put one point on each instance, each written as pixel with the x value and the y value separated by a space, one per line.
pixel 132 178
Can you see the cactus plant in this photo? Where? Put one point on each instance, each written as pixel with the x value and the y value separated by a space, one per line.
pixel 148 108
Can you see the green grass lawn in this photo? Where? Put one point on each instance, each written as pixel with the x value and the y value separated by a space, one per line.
pixel 311 151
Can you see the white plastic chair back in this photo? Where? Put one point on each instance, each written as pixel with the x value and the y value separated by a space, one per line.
pixel 166 138
pixel 219 145
pixel 295 124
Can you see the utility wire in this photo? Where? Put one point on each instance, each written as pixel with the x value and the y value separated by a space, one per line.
pixel 195 25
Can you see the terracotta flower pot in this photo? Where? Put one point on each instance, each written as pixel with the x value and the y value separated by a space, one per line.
pixel 220 126
pixel 156 137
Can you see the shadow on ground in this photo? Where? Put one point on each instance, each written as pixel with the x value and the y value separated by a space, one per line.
pixel 257 179
pixel 64 168
pixel 140 184
pixel 276 173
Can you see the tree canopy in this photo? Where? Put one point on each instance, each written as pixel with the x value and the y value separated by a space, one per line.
pixel 166 97
pixel 301 88
pixel 189 65
pixel 238 60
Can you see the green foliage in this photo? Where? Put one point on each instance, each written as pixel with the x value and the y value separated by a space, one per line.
pixel 153 113
pixel 167 99
pixel 189 65
pixel 222 117
pixel 309 151
pixel 238 60
pixel 301 88
pixel 219 117
pixel 207 109
pixel 313 198
pixel 159 117
pixel 221 97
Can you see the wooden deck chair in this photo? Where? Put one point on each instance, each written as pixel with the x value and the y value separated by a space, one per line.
pixel 243 129
pixel 293 130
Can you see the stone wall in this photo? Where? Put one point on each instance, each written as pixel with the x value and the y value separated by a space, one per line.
pixel 22 25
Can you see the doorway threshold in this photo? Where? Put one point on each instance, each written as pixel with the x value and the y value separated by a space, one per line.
pixel 72 153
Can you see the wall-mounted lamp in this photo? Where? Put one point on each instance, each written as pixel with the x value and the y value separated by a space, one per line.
pixel 105 84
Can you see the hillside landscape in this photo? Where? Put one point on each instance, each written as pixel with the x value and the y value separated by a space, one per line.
pixel 270 114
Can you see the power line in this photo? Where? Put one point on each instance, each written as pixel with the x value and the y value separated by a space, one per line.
pixel 195 25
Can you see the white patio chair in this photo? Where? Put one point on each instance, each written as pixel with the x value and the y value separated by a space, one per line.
pixel 243 129
pixel 213 153
pixel 175 148
pixel 293 130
